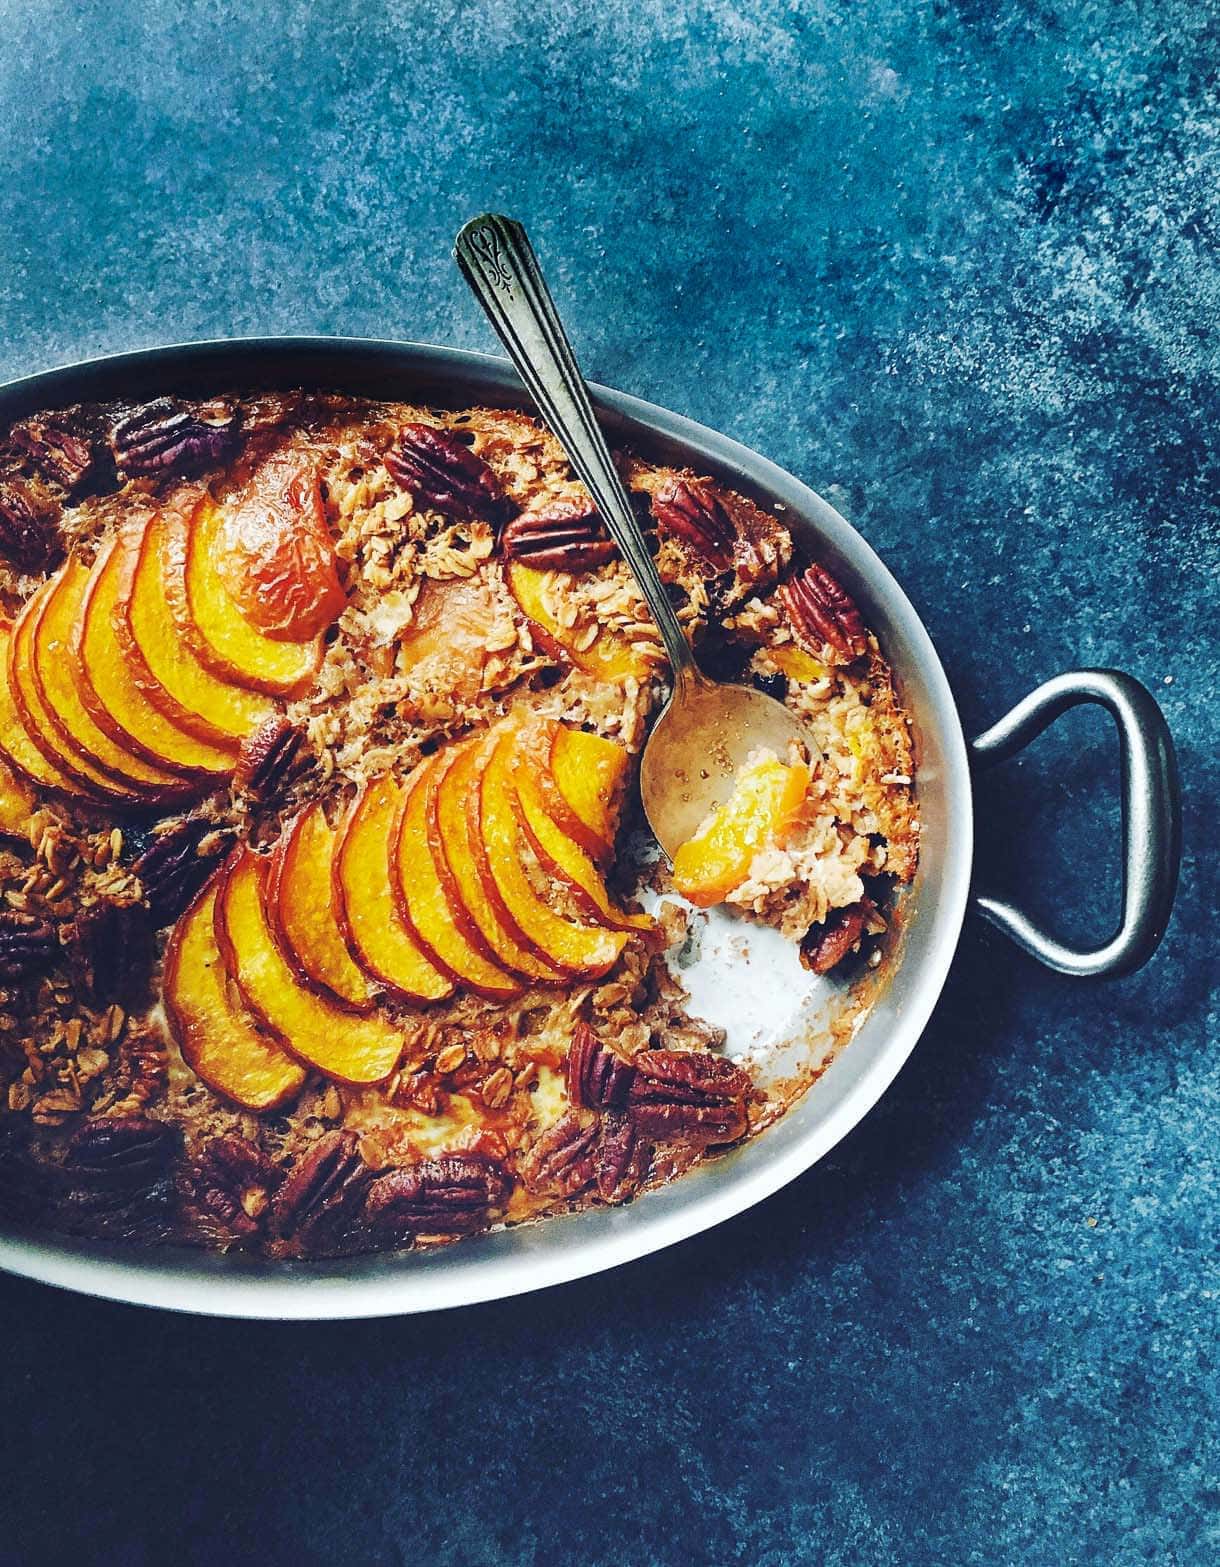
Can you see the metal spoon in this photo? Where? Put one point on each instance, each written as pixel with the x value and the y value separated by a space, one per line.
pixel 707 729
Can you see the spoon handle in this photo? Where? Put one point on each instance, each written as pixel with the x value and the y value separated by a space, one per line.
pixel 499 264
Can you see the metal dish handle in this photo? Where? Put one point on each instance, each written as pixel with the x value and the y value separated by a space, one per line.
pixel 1152 816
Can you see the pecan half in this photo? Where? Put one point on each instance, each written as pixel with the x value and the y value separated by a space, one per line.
pixel 268 758
pixel 827 944
pixel 323 1192
pixel 29 525
pixel 691 511
pixel 109 950
pixel 597 1078
pixel 452 1195
pixel 167 436
pixel 231 1183
pixel 28 945
pixel 437 468
pixel 821 612
pixel 564 1159
pixel 176 864
pixel 623 1157
pixel 126 1151
pixel 118 1178
pixel 141 1067
pixel 59 454
pixel 567 535
pixel 688 1095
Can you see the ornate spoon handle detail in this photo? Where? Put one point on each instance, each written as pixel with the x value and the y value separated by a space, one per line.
pixel 499 264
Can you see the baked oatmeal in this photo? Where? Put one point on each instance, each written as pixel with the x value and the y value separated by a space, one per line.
pixel 319 721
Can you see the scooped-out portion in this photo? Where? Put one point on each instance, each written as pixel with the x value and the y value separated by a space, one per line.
pixel 319 928
pixel 758 822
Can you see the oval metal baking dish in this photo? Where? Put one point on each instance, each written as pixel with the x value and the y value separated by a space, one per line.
pixel 511 1261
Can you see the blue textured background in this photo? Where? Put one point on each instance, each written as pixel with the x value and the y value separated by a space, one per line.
pixel 956 265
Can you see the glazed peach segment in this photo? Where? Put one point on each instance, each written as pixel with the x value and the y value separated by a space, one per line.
pixel 163 665
pixel 209 620
pixel 582 783
pixel 112 698
pixel 763 810
pixel 444 649
pixel 500 849
pixel 365 906
pixel 422 899
pixel 214 1032
pixel 562 856
pixel 302 914
pixel 449 829
pixel 61 760
pixel 609 656
pixel 20 752
pixel 16 804
pixel 59 748
pixel 794 662
pixel 343 1045
pixel 275 556
pixel 580 778
pixel 53 675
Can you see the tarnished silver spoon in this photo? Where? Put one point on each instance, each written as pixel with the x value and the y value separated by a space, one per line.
pixel 708 728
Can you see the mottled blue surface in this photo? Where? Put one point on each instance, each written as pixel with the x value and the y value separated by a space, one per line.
pixel 956 265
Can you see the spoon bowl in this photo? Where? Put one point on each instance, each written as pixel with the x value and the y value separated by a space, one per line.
pixel 704 736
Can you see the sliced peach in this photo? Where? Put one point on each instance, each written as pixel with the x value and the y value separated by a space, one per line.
pixel 422 900
pixel 764 809
pixel 162 664
pixel 63 761
pixel 794 662
pixel 580 777
pixel 211 1027
pixel 16 802
pixel 51 661
pixel 499 854
pixel 110 695
pixel 58 746
pixel 275 555
pixel 19 751
pixel 610 657
pixel 209 620
pixel 363 897
pixel 444 649
pixel 302 915
pixel 449 824
pixel 561 856
pixel 340 1044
